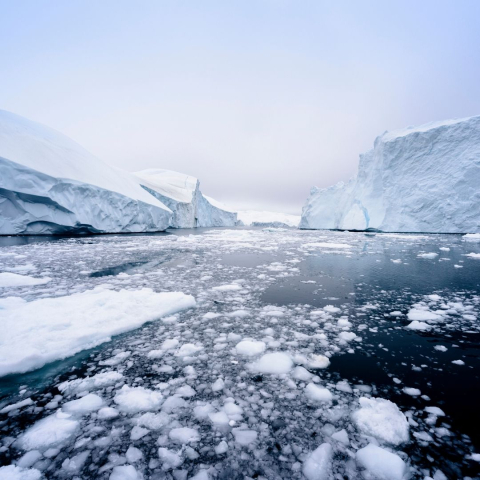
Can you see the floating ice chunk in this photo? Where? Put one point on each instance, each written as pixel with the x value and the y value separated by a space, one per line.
pixel 244 437
pixel 73 465
pixel 8 279
pixel 326 245
pixel 300 373
pixel 423 436
pixel 318 464
pixel 413 392
pixel 239 314
pixel 343 386
pixel 125 472
pixel 331 309
pixel 188 349
pixel 250 348
pixel 100 380
pixel 17 405
pixel 137 399
pixel 154 421
pixel 473 255
pixel 221 448
pixel 475 457
pixel 219 419
pixel 441 348
pixel 422 315
pixel 48 329
pixel 12 472
pixel 82 406
pixel 273 363
pixel 107 413
pixel 346 336
pixel 233 410
pixel 458 362
pixel 380 463
pixel 201 475
pixel 317 362
pixel 184 435
pixel 218 385
pixel 420 326
pixel 116 359
pixel 185 391
pixel 133 454
pixel 172 403
pixel 438 412
pixel 169 458
pixel 318 394
pixel 381 419
pixel 31 457
pixel 428 255
pixel 170 344
pixel 227 288
pixel 138 432
pixel 49 432
pixel 342 437
pixel 202 412
pixel 472 236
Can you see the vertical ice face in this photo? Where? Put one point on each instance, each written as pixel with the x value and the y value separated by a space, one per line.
pixel 419 179
pixel 181 193
pixel 50 184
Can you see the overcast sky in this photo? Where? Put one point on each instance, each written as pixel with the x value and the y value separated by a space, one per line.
pixel 260 100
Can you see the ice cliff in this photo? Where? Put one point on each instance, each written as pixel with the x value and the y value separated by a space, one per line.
pixel 419 179
pixel 181 193
pixel 51 185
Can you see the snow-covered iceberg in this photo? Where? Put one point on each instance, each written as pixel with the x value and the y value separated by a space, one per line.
pixel 254 218
pixel 419 179
pixel 181 193
pixel 49 185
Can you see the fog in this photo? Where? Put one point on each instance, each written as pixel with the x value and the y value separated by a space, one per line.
pixel 260 100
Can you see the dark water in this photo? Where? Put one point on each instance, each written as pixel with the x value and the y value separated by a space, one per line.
pixel 372 277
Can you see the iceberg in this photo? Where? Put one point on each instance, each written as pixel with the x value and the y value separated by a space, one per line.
pixel 254 218
pixel 51 185
pixel 181 194
pixel 418 179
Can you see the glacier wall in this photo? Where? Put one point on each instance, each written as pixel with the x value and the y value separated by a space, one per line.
pixel 419 179
pixel 34 203
pixel 51 185
pixel 181 193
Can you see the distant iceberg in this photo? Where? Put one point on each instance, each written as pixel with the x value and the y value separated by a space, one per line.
pixel 181 193
pixel 419 179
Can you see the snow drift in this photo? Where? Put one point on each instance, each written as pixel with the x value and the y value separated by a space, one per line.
pixel 49 184
pixel 181 193
pixel 419 179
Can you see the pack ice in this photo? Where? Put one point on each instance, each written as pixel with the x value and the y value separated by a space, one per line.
pixel 419 179
pixel 181 193
pixel 51 185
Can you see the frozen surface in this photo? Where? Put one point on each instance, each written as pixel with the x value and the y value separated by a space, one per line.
pixel 48 329
pixel 296 362
pixel 50 184
pixel 419 179
pixel 267 219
